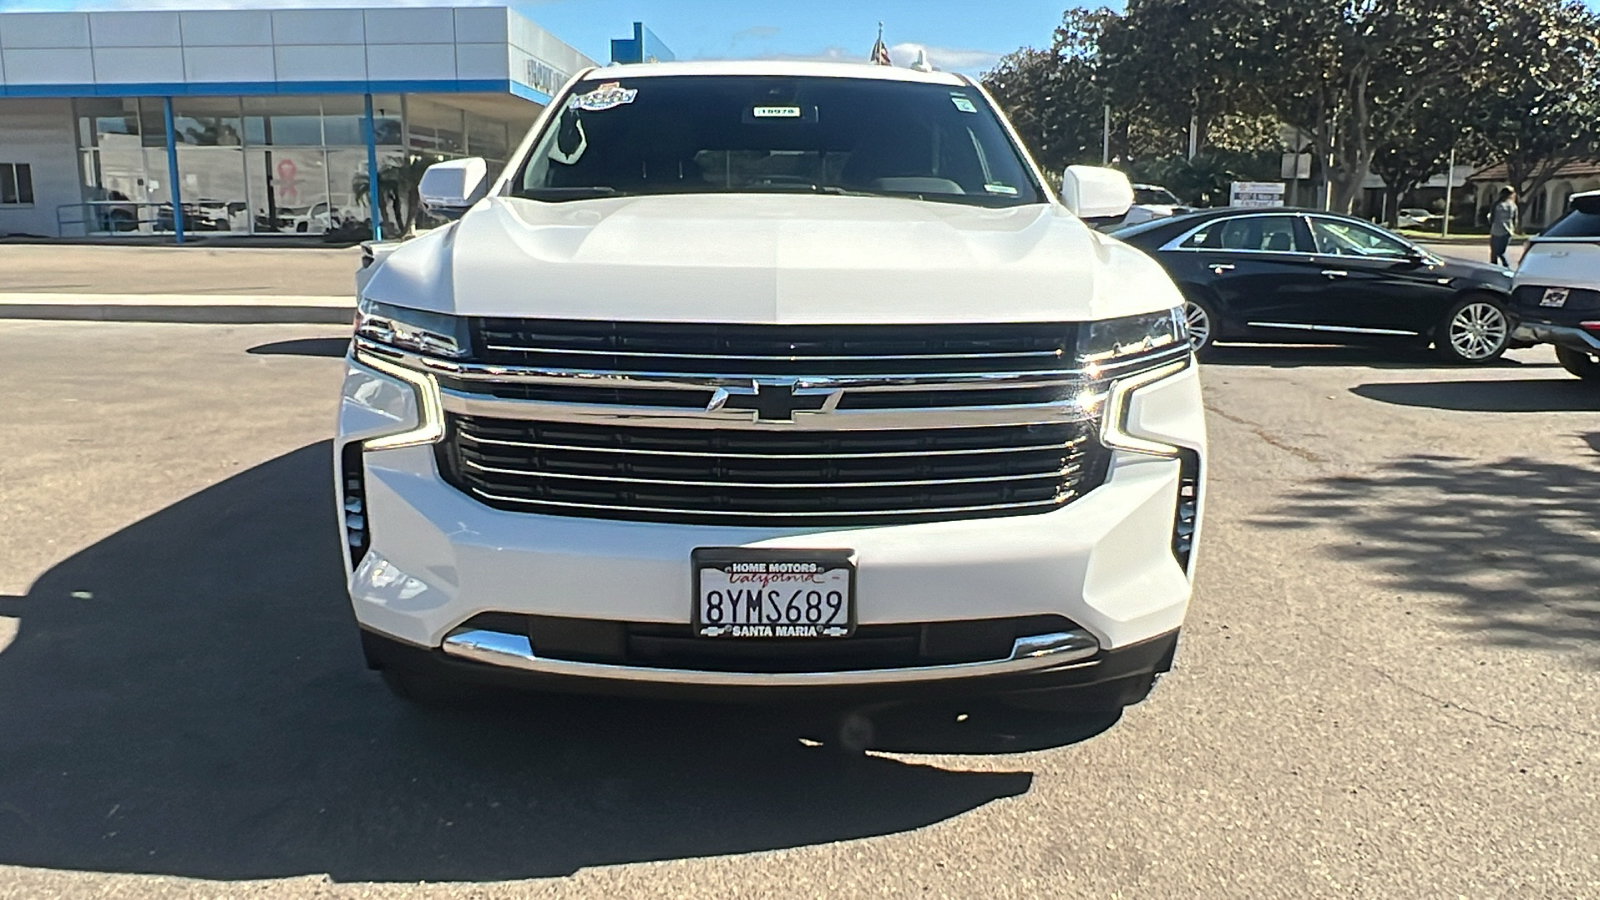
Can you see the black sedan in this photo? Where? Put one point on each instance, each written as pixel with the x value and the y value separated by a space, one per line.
pixel 1302 276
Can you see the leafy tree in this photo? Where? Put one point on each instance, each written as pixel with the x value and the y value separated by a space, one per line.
pixel 1169 63
pixel 1053 96
pixel 1540 109
pixel 1417 148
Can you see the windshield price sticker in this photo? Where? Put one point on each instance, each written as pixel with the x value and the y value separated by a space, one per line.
pixel 607 96
pixel 747 596
pixel 776 112
pixel 963 104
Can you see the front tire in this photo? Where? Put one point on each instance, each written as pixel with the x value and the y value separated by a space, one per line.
pixel 1475 331
pixel 1584 365
pixel 1202 321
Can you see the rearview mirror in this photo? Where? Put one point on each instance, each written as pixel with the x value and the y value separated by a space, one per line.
pixel 1090 192
pixel 449 189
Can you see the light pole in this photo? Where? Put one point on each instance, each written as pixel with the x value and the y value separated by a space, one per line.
pixel 1105 138
pixel 1449 184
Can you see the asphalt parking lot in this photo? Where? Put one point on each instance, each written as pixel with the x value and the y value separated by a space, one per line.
pixel 1387 685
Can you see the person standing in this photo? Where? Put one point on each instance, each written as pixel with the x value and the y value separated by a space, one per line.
pixel 1502 225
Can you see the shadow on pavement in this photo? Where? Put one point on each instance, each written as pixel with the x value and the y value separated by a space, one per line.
pixel 331 346
pixel 1511 546
pixel 186 697
pixel 1530 395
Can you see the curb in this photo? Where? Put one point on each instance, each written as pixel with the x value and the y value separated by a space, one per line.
pixel 199 309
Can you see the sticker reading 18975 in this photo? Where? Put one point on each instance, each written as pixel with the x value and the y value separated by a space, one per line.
pixel 776 112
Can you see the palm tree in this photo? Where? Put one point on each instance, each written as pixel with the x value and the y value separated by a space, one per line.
pixel 398 178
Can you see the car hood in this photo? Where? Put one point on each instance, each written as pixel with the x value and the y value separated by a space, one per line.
pixel 771 259
pixel 1480 273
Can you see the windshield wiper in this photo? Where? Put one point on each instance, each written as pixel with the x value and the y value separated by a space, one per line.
pixel 567 193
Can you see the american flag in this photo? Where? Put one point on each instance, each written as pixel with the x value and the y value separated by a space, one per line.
pixel 880 52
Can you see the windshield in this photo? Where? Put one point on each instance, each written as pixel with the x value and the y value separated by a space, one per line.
pixel 1578 223
pixel 763 134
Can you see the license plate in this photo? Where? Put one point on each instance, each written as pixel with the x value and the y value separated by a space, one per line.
pixel 1554 297
pixel 788 594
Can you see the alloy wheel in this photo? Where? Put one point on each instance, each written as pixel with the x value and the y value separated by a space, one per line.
pixel 1199 324
pixel 1478 331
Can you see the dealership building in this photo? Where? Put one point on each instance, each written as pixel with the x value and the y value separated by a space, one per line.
pixel 261 120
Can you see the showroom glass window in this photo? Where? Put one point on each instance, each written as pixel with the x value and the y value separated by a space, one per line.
pixel 255 165
pixel 16 184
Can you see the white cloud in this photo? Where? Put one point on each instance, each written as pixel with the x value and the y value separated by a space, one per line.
pixel 757 33
pixel 946 58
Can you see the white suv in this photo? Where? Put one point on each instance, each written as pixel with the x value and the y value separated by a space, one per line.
pixel 1556 294
pixel 772 381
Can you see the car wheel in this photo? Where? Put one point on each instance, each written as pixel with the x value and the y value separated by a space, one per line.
pixel 1584 365
pixel 1202 325
pixel 1476 330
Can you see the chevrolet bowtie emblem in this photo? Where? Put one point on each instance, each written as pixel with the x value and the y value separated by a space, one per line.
pixel 775 401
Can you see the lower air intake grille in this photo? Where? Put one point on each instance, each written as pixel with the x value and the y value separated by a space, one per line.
pixel 736 477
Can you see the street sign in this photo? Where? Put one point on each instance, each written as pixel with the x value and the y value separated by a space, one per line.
pixel 1256 194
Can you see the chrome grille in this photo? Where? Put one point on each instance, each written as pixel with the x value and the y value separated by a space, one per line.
pixel 772 424
pixel 712 476
pixel 685 348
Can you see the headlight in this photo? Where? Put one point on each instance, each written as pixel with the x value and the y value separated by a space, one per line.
pixel 1118 344
pixel 435 334
pixel 1121 356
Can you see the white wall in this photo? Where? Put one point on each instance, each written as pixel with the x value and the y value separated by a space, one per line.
pixel 39 132
pixel 263 45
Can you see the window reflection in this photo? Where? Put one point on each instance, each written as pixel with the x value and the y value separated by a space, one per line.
pixel 275 165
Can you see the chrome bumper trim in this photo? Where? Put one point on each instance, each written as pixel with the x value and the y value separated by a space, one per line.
pixel 1563 335
pixel 1077 409
pixel 515 651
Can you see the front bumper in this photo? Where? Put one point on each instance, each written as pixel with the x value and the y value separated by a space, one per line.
pixel 1108 678
pixel 434 558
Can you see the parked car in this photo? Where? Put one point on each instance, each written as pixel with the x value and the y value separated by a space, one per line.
pixel 1556 294
pixel 1302 276
pixel 727 388
pixel 316 219
pixel 1416 218
pixel 1152 201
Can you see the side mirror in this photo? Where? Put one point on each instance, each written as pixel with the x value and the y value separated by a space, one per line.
pixel 1090 192
pixel 449 189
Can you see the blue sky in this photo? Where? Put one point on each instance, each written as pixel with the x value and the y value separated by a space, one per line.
pixel 960 35
pixel 964 36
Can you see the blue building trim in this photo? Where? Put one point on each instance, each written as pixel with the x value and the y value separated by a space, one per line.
pixel 371 135
pixel 174 187
pixel 528 93
pixel 256 88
